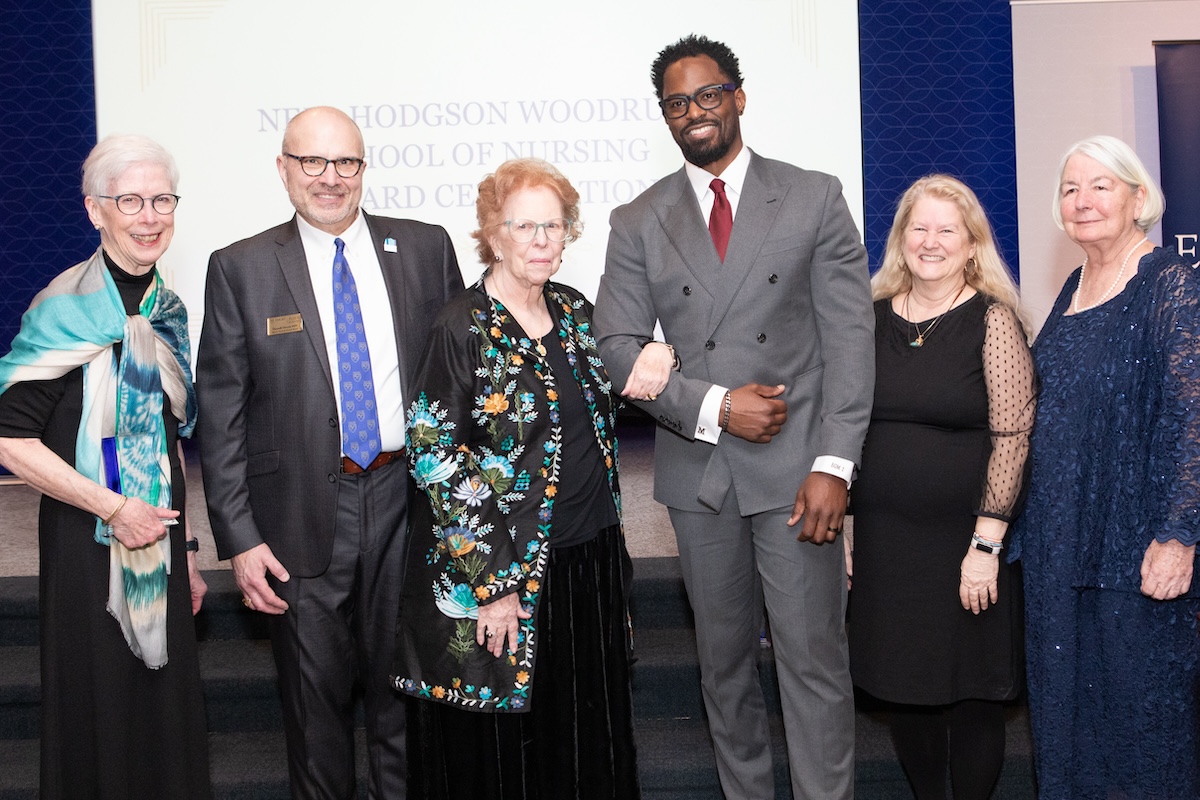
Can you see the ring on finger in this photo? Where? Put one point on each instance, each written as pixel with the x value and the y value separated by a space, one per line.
pixel 246 602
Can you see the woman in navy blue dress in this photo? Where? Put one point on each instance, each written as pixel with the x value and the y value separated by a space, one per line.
pixel 1108 536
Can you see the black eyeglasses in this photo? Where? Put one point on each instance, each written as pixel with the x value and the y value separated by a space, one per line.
pixel 131 204
pixel 314 166
pixel 708 98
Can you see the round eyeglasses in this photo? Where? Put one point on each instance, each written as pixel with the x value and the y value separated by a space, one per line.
pixel 131 204
pixel 708 98
pixel 524 231
pixel 314 166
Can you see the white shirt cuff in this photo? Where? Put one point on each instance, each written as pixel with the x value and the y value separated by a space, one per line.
pixel 707 428
pixel 840 467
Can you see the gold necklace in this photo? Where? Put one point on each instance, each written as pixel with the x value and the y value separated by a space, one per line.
pixel 540 347
pixel 923 335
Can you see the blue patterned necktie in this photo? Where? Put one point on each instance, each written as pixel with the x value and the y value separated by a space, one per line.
pixel 360 418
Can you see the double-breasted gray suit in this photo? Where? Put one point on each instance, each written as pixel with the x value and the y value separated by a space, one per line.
pixel 271 446
pixel 789 305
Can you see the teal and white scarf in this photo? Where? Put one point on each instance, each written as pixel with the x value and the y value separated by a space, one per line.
pixel 75 321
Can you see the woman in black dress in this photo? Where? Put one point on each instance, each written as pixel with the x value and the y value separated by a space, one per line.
pixel 935 613
pixel 94 396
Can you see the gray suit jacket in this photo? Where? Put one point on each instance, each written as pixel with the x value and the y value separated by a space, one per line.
pixel 269 435
pixel 791 304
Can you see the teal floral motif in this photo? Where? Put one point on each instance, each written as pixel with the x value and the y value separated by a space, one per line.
pixel 456 602
pixel 484 439
pixel 429 469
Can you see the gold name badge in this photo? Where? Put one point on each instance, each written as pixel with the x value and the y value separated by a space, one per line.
pixel 289 323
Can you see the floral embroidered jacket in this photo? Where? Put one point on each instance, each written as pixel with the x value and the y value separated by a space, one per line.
pixel 483 444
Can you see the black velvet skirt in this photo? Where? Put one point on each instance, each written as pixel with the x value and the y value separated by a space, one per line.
pixel 576 739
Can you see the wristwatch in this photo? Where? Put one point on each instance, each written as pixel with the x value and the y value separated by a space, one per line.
pixel 988 547
pixel 675 362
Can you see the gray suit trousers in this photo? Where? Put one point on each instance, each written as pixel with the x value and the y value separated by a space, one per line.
pixel 732 565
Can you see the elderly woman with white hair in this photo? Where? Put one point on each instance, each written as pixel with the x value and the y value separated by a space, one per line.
pixel 94 396
pixel 1108 537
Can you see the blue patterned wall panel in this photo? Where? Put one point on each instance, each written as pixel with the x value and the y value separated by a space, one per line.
pixel 47 127
pixel 937 96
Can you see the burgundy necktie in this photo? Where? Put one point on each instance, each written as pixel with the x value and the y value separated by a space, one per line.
pixel 720 221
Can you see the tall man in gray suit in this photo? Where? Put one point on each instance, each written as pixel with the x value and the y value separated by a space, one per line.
pixel 312 331
pixel 768 308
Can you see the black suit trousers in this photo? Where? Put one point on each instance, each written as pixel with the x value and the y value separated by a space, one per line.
pixel 339 630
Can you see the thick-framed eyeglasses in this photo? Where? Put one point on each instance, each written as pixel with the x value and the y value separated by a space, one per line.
pixel 523 231
pixel 707 97
pixel 314 166
pixel 131 204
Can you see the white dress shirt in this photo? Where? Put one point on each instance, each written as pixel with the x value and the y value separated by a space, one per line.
pixel 373 299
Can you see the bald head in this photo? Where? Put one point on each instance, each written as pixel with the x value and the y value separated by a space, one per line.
pixel 316 119
pixel 327 201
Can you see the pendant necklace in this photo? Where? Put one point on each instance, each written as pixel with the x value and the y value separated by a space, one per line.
pixel 540 347
pixel 1113 285
pixel 922 335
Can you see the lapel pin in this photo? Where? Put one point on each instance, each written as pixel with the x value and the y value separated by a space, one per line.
pixel 389 245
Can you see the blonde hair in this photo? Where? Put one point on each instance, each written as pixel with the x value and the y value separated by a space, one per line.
pixel 986 271
pixel 509 177
pixel 1119 159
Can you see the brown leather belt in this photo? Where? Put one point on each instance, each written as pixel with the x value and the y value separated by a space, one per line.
pixel 381 460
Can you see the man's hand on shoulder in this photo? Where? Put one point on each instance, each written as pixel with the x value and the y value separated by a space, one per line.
pixel 250 569
pixel 821 502
pixel 755 413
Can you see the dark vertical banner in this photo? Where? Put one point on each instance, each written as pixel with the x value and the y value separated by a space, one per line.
pixel 1178 65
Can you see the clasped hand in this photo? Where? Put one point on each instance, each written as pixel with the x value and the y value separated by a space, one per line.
pixel 755 412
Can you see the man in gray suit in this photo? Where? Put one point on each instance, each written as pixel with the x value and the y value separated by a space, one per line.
pixel 768 309
pixel 302 447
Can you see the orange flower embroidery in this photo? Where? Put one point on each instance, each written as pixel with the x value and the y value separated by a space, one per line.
pixel 522 677
pixel 551 490
pixel 495 404
pixel 481 593
pixel 551 394
pixel 532 586
pixel 439 692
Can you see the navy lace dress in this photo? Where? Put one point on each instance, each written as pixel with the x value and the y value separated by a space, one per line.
pixel 1113 675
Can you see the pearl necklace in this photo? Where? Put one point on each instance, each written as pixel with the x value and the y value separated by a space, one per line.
pixel 1113 285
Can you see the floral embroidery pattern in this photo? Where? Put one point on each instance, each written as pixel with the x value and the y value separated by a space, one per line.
pixel 488 461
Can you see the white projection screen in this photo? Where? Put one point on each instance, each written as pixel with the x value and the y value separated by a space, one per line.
pixel 445 92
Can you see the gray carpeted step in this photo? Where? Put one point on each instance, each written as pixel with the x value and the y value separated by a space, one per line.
pixel 18 611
